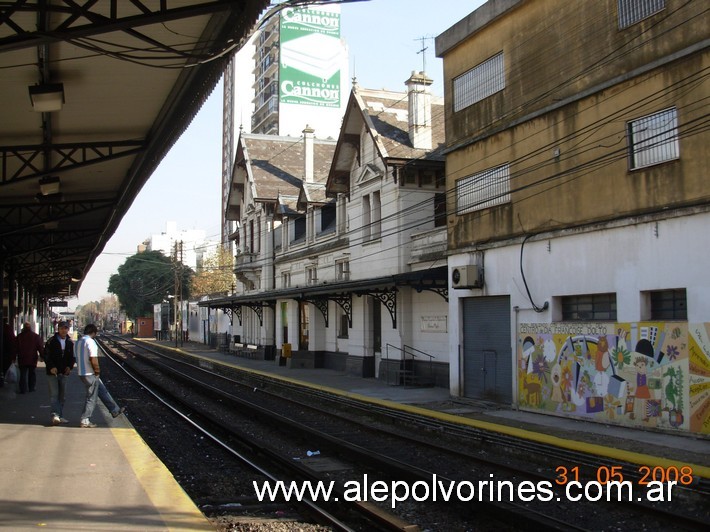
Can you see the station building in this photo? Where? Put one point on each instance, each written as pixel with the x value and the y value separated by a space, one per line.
pixel 341 250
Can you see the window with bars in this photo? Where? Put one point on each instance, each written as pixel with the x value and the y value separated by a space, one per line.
pixel 653 139
pixel 482 190
pixel 480 82
pixel 589 307
pixel 669 304
pixel 633 11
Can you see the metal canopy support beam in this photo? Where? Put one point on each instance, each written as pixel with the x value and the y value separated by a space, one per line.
pixel 20 218
pixel 19 163
pixel 229 311
pixel 388 297
pixel 258 308
pixel 321 304
pixel 80 21
pixel 346 303
pixel 443 292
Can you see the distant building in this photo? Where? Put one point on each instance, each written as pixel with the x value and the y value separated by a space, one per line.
pixel 194 244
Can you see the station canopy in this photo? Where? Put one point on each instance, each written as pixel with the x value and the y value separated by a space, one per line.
pixel 93 94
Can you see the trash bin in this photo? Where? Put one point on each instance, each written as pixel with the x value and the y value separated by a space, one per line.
pixel 286 350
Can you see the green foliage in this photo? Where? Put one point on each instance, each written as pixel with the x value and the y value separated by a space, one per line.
pixel 146 279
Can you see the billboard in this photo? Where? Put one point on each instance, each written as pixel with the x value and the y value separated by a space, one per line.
pixel 311 55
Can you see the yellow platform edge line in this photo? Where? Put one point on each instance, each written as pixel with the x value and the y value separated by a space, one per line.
pixel 177 510
pixel 621 455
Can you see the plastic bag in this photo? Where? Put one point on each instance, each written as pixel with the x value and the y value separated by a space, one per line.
pixel 13 375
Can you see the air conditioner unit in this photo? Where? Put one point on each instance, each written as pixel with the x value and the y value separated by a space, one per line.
pixel 470 276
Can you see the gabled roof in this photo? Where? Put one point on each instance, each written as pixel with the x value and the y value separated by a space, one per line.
pixel 386 117
pixel 312 194
pixel 388 114
pixel 275 164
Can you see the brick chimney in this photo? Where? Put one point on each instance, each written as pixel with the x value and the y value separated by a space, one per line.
pixel 308 154
pixel 419 110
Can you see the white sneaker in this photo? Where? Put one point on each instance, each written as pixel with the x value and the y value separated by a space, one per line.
pixel 56 420
pixel 63 421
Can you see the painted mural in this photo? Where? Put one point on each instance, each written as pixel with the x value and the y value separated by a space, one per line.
pixel 647 374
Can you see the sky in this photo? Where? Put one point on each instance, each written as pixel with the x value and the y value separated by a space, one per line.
pixel 383 37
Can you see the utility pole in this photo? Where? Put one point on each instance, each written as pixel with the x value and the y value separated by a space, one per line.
pixel 175 290
pixel 179 292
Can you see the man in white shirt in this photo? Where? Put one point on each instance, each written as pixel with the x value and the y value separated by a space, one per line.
pixel 86 352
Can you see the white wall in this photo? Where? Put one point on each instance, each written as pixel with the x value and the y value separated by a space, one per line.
pixel 626 260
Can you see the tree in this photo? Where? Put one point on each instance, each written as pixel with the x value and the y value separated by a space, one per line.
pixel 146 279
pixel 216 274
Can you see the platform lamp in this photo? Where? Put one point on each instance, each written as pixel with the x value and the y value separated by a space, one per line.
pixel 49 185
pixel 76 275
pixel 47 97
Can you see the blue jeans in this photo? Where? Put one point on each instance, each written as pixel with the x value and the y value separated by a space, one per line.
pixel 95 388
pixel 57 387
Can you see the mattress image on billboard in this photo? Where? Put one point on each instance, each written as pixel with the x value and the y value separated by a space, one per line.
pixel 314 54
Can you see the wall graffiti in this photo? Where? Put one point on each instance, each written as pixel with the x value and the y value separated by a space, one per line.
pixel 646 374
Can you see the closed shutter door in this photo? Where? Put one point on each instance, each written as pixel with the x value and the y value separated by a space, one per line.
pixel 487 354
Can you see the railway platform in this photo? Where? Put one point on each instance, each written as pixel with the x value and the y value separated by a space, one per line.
pixel 65 477
pixel 615 443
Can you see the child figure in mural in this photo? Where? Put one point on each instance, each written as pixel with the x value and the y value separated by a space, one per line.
pixel 642 392
pixel 557 393
pixel 602 360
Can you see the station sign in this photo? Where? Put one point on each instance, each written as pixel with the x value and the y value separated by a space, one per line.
pixel 58 303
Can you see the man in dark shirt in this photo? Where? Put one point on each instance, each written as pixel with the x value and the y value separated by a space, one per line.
pixel 59 359
pixel 29 349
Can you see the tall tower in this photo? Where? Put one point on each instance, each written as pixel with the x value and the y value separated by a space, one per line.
pixel 300 72
pixel 227 145
pixel 293 72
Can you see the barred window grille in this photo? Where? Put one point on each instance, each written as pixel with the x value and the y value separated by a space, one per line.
pixel 589 307
pixel 669 304
pixel 480 82
pixel 482 190
pixel 653 139
pixel 633 11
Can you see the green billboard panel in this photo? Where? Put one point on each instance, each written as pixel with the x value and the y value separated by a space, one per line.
pixel 310 57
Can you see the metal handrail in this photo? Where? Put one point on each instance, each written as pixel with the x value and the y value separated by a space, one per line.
pixel 404 357
pixel 431 357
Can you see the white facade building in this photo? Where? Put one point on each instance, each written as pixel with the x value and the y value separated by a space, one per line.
pixel 194 244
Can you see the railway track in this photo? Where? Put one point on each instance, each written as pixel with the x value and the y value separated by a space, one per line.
pixel 373 441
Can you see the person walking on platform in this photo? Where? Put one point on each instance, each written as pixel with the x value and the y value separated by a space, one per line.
pixel 86 352
pixel 9 349
pixel 59 359
pixel 29 349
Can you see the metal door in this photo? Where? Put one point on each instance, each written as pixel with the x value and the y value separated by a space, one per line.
pixel 487 355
